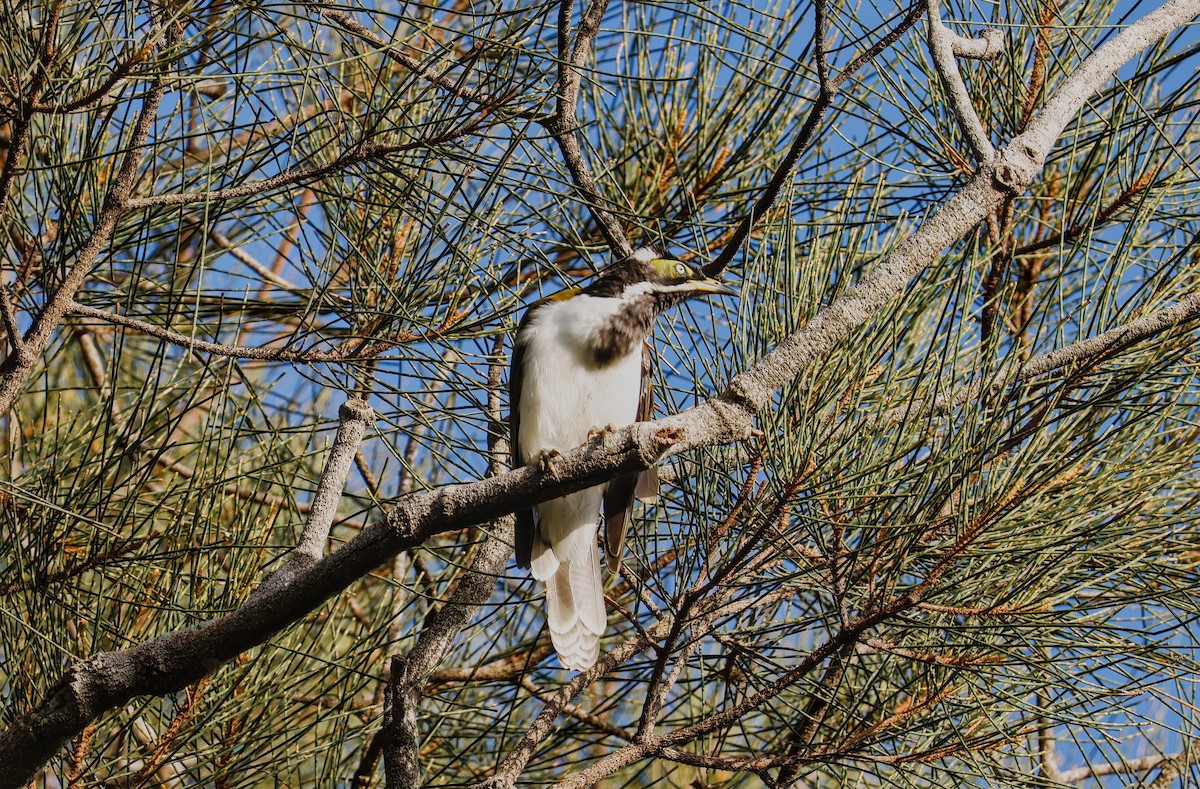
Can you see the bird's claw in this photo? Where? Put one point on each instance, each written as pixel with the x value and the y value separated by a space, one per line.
pixel 600 435
pixel 548 461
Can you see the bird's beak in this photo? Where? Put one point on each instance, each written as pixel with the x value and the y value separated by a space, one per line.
pixel 711 286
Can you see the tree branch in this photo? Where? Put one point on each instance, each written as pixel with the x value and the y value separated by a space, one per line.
pixel 401 740
pixel 355 416
pixel 367 152
pixel 452 87
pixel 1079 774
pixel 1081 352
pixel 564 125
pixel 17 366
pixel 943 47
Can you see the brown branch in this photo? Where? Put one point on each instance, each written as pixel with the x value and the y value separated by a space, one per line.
pixel 15 368
pixel 18 131
pixel 80 567
pixel 571 711
pixel 564 125
pixel 505 669
pixel 1068 236
pixel 167 739
pixel 1041 51
pixel 100 91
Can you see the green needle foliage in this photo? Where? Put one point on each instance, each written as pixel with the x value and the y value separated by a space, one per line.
pixel 929 567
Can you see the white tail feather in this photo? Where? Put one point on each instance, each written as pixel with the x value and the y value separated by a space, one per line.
pixel 575 608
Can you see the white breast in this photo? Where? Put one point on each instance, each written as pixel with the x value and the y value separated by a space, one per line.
pixel 563 395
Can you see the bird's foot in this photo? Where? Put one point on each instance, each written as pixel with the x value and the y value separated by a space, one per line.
pixel 548 461
pixel 601 435
pixel 752 432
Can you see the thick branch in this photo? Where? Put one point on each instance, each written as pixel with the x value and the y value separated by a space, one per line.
pixel 401 740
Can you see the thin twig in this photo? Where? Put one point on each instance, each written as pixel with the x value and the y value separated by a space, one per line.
pixel 805 138
pixel 401 740
pixel 564 125
pixel 1082 352
pixel 258 268
pixel 367 152
pixel 17 366
pixel 453 87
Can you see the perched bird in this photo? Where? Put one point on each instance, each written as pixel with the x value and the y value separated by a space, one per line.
pixel 581 364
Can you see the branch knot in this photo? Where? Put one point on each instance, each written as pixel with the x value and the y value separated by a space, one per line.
pixel 1016 167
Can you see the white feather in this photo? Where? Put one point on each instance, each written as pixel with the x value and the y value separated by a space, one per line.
pixel 645 254
pixel 564 395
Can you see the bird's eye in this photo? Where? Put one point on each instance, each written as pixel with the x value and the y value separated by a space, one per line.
pixel 681 269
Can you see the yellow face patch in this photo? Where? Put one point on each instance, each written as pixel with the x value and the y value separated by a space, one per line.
pixel 669 268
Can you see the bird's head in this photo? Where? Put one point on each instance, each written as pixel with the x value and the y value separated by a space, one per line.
pixel 666 280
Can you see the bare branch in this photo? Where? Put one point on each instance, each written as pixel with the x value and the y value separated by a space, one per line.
pixel 989 44
pixel 97 94
pixel 1140 764
pixel 401 740
pixel 354 417
pixel 943 46
pixel 205 346
pixel 8 315
pixel 564 125
pixel 352 350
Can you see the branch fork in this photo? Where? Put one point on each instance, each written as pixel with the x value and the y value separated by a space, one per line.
pixel 944 46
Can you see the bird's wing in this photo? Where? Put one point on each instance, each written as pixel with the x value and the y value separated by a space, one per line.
pixel 526 529
pixel 619 494
pixel 646 489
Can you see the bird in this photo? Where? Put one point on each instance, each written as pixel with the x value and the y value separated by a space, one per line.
pixel 582 364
